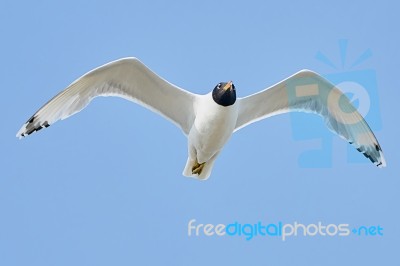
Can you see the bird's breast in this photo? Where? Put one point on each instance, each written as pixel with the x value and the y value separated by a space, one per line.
pixel 213 125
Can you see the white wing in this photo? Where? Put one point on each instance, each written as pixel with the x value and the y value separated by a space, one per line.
pixel 126 78
pixel 307 91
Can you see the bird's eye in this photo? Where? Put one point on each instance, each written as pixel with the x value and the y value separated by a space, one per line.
pixel 219 85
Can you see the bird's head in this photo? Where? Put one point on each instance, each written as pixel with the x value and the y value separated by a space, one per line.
pixel 224 93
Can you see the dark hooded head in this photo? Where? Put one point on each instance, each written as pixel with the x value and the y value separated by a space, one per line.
pixel 224 93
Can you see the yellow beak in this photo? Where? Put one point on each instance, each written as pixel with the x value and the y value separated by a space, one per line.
pixel 227 86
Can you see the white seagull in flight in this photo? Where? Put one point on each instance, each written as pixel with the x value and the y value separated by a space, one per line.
pixel 209 120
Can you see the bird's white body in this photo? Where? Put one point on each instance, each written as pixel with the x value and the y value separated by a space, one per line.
pixel 212 128
pixel 209 120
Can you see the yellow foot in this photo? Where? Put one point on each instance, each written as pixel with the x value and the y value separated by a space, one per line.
pixel 197 168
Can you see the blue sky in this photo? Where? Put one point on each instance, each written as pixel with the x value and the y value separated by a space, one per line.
pixel 105 186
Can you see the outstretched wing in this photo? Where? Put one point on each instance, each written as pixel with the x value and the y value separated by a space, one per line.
pixel 126 78
pixel 307 91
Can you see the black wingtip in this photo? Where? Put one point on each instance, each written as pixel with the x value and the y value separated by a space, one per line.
pixel 30 128
pixel 30 131
pixel 31 119
pixel 377 147
pixel 371 157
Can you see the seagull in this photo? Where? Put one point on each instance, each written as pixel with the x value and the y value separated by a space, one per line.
pixel 208 121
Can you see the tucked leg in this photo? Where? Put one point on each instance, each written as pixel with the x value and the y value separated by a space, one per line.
pixel 197 168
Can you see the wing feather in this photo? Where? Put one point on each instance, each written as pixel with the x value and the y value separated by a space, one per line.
pixel 306 91
pixel 127 78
